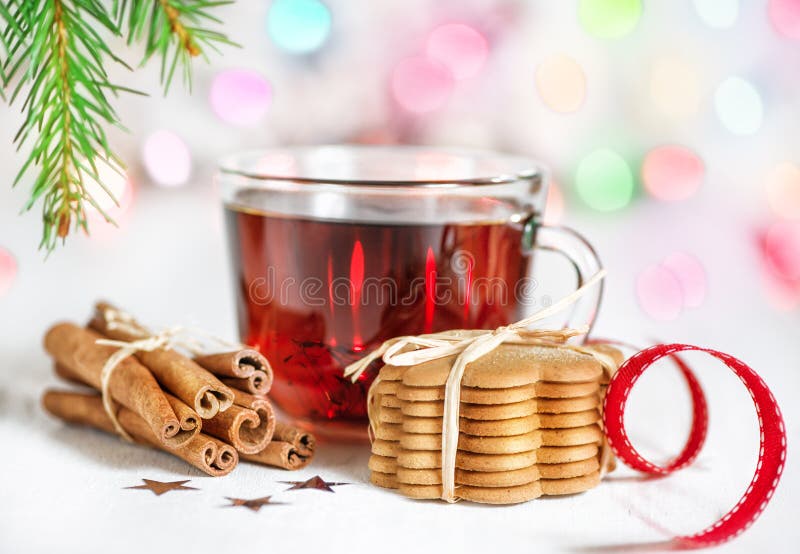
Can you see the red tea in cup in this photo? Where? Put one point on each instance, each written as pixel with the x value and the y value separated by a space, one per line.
pixel 330 260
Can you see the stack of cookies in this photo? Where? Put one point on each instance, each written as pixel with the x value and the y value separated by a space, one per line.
pixel 530 425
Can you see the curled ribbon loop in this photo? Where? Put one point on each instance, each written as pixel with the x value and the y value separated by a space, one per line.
pixel 772 451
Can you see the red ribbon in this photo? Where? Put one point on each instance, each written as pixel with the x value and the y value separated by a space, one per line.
pixel 772 451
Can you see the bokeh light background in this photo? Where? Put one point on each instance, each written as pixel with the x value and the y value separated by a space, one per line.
pixel 671 128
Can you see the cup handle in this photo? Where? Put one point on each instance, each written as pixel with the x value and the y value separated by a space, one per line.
pixel 583 257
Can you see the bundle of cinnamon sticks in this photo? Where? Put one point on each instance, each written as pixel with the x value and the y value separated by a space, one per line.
pixel 209 410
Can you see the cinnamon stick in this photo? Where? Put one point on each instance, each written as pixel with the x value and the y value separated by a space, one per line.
pixel 249 430
pixel 188 420
pixel 258 383
pixel 77 355
pixel 187 417
pixel 280 454
pixel 202 451
pixel 291 448
pixel 302 441
pixel 245 399
pixel 240 364
pixel 64 373
pixel 178 374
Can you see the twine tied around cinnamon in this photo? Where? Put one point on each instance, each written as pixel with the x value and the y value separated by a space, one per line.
pixel 470 345
pixel 172 337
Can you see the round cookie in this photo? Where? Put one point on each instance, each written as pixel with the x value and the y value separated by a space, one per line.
pixel 490 412
pixel 390 401
pixel 514 444
pixel 509 395
pixel 390 415
pixel 494 495
pixel 569 469
pixel 425 425
pixel 472 411
pixel 500 495
pixel 570 486
pixel 569 419
pixel 503 428
pixel 420 492
pixel 512 478
pixel 615 353
pixel 508 365
pixel 389 431
pixel 541 405
pixel 500 478
pixel 392 373
pixel 382 464
pixel 547 389
pixel 385 480
pixel 470 443
pixel 417 476
pixel 499 428
pixel 472 478
pixel 385 448
pixel 565 454
pixel 520 443
pixel 431 459
pixel 576 435
pixel 386 387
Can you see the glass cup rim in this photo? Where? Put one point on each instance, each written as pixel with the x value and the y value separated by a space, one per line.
pixel 520 168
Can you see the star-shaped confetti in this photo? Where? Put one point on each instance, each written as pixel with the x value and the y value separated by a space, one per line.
pixel 254 504
pixel 315 482
pixel 160 488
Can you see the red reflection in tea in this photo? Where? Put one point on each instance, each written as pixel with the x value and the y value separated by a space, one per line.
pixel 316 295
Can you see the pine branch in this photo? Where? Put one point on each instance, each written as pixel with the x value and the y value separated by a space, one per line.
pixel 67 107
pixel 172 30
pixel 53 51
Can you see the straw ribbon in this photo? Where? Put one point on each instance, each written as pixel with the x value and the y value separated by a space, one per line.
pixel 177 336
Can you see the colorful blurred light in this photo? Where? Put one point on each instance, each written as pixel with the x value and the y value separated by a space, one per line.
pixel 783 190
pixel 782 297
pixel 659 293
pixel 460 48
pixel 117 182
pixel 299 26
pixel 739 107
pixel 240 97
pixel 8 271
pixel 672 173
pixel 166 158
pixel 421 85
pixel 675 86
pixel 609 18
pixel 785 17
pixel 781 250
pixel 604 180
pixel 561 83
pixel 554 208
pixel 690 274
pixel 719 14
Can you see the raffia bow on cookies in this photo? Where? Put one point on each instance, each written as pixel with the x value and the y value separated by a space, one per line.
pixel 468 346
